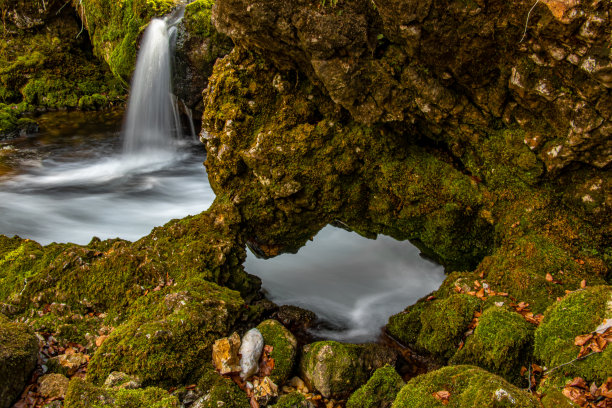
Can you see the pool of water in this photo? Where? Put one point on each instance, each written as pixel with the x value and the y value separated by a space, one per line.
pixel 352 283
pixel 72 182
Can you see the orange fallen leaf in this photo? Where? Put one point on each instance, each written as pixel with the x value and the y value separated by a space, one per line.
pixel 583 283
pixel 442 396
pixel 582 339
pixel 549 277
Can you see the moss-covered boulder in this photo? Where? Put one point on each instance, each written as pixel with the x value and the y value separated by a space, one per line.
pixel 444 323
pixel 578 313
pixel 337 369
pixel 406 325
pixel 467 387
pixel 293 400
pixel 220 392
pixel 501 343
pixel 82 394
pixel 169 333
pixel 380 390
pixel 18 356
pixel 284 349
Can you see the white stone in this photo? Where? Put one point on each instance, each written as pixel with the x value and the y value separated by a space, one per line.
pixel 250 352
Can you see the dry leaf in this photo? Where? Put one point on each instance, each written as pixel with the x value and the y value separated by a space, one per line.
pixel 442 396
pixel 582 339
pixel 549 277
pixel 583 283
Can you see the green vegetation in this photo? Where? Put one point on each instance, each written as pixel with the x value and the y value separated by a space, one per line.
pixel 82 394
pixel 380 390
pixel 467 387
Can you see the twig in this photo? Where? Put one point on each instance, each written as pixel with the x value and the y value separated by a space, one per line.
pixel 25 284
pixel 61 8
pixel 529 389
pixel 569 362
pixel 527 21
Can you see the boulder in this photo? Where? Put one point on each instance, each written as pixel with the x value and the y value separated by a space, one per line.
pixel 578 313
pixel 219 392
pixel 82 394
pixel 53 386
pixel 337 369
pixel 18 356
pixel 501 343
pixel 284 349
pixel 380 390
pixel 462 386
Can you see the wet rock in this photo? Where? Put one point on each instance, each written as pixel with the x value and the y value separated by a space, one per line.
pixel 18 356
pixel 380 390
pixel 53 386
pixel 225 354
pixel 284 349
pixel 295 317
pixel 468 386
pixel 250 353
pixel 337 369
pixel 120 380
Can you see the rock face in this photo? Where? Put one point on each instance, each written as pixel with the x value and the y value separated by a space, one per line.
pixel 18 356
pixel 439 66
pixel 337 369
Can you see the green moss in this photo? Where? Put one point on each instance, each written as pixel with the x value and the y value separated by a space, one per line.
pixel 82 394
pixel 219 391
pixel 380 390
pixel 468 387
pixel 553 398
pixel 18 356
pixel 197 18
pixel 292 400
pixel 576 314
pixel 405 326
pixel 284 349
pixel 444 323
pixel 169 333
pixel 501 343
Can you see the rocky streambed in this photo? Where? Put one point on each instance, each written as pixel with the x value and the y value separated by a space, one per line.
pixel 479 131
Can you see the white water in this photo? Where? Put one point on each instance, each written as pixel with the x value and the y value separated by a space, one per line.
pixel 351 282
pixel 110 193
pixel 152 124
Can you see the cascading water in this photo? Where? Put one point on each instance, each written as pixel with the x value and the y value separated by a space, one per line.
pixel 85 183
pixel 153 124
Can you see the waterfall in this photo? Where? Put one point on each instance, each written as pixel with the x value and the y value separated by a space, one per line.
pixel 153 124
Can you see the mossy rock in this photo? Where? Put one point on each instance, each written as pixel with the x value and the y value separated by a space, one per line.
pixel 337 369
pixel 444 322
pixel 284 349
pixel 554 398
pixel 380 390
pixel 82 394
pixel 292 400
pixel 220 392
pixel 501 343
pixel 578 313
pixel 405 326
pixel 18 356
pixel 169 333
pixel 469 387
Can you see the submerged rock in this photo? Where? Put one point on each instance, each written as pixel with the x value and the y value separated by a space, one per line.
pixel 250 353
pixel 18 356
pixel 337 369
pixel 462 387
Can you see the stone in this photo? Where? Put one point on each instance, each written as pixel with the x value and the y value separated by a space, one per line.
pixel 225 354
pixel 82 394
pixel 264 390
pixel 72 362
pixel 284 349
pixel 117 379
pixel 337 369
pixel 53 386
pixel 380 390
pixel 469 387
pixel 250 352
pixel 18 356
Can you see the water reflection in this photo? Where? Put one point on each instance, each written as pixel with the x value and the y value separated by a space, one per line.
pixel 351 282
